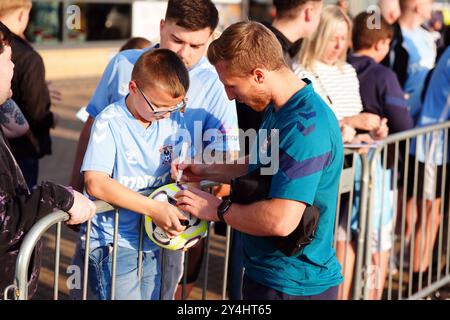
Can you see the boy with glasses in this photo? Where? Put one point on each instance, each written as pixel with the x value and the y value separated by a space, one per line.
pixel 161 113
pixel 186 29
pixel 130 149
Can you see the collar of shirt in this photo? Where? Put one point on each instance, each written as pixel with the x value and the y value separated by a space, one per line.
pixel 287 109
pixel 291 48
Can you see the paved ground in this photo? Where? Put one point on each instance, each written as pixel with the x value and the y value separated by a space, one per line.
pixel 57 168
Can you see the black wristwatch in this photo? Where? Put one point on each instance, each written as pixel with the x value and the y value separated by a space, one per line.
pixel 223 208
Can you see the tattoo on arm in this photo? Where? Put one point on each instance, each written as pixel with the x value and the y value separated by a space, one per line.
pixel 10 110
pixel 20 119
pixel 3 118
pixel 12 118
pixel 5 112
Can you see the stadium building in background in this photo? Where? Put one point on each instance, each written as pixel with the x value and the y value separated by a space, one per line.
pixel 86 33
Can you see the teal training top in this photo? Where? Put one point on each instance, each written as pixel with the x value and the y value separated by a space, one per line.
pixel 310 165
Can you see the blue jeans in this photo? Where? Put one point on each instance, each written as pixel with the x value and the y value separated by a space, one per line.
pixel 128 286
pixel 172 272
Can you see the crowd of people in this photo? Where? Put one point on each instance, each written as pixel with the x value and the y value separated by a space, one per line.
pixel 320 78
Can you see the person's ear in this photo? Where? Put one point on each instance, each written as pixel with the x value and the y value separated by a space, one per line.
pixel 162 23
pixel 21 15
pixel 259 76
pixel 132 87
pixel 381 44
pixel 308 13
pixel 377 46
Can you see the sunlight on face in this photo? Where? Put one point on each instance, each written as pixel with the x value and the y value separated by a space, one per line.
pixel 425 8
pixel 189 45
pixel 160 100
pixel 243 89
pixel 337 44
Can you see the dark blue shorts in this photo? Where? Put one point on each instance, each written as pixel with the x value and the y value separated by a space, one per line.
pixel 253 290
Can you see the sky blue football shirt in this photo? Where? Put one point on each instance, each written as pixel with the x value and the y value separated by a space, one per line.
pixel 136 157
pixel 210 116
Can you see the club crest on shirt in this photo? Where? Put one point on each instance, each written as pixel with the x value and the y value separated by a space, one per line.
pixel 166 154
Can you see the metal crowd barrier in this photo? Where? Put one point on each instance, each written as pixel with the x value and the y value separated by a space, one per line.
pixel 421 230
pixel 391 155
pixel 20 286
pixel 349 255
pixel 426 244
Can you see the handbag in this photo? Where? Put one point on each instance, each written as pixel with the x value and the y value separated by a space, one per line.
pixel 254 187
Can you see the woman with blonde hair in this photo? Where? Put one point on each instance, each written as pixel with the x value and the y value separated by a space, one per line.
pixel 323 61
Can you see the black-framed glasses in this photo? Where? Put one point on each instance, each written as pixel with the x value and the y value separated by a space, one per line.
pixel 179 107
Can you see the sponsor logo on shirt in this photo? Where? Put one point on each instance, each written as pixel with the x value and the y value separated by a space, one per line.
pixel 143 182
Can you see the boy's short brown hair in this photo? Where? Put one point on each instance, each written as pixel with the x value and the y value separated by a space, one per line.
pixel 289 8
pixel 193 15
pixel 246 46
pixel 366 36
pixel 164 69
pixel 9 5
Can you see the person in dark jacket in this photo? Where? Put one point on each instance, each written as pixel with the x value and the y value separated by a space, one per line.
pixel 21 208
pixel 30 91
pixel 397 57
pixel 380 90
pixel 293 21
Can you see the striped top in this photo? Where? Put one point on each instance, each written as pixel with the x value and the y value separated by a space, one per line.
pixel 337 86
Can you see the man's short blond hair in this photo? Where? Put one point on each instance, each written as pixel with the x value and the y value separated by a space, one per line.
pixel 245 46
pixel 7 6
